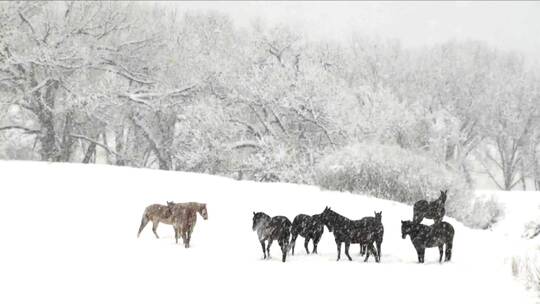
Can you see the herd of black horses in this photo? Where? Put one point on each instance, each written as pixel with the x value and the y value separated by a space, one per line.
pixel 368 231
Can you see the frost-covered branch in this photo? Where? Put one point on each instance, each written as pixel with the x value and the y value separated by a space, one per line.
pixel 25 129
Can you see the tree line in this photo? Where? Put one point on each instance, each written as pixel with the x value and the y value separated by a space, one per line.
pixel 159 88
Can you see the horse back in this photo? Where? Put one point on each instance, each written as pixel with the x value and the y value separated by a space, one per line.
pixel 421 205
pixel 280 221
pixel 280 226
pixel 301 218
pixel 444 230
pixel 300 223
pixel 158 212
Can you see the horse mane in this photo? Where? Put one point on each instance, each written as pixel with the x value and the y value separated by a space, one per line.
pixel 416 227
pixel 262 215
pixel 335 214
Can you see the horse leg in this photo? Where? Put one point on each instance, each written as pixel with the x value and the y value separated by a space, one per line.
pixel 417 218
pixel 306 242
pixel 347 245
pixel 185 238
pixel 175 234
pixel 338 243
pixel 440 253
pixel 283 246
pixel 154 228
pixel 419 253
pixel 144 221
pixel 315 243
pixel 293 242
pixel 422 253
pixel 188 237
pixel 379 243
pixel 268 247
pixel 371 248
pixel 263 249
pixel 448 253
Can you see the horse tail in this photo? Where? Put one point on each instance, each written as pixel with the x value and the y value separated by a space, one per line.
pixel 144 221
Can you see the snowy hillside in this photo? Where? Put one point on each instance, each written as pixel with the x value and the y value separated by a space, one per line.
pixel 69 236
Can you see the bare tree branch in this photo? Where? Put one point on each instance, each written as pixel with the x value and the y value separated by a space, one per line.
pixel 82 137
pixel 25 129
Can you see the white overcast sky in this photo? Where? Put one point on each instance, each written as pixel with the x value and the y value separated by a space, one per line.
pixel 507 25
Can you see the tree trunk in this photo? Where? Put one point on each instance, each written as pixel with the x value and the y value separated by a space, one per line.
pixel 49 150
pixel 119 145
pixel 91 151
pixel 164 162
pixel 522 177
pixel 67 140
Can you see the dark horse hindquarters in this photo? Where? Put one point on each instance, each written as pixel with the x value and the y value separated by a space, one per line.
pixel 270 229
pixel 308 227
pixel 375 226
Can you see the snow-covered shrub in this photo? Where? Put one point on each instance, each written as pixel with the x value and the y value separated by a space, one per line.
pixel 526 267
pixel 277 162
pixel 393 173
pixel 485 212
pixel 532 230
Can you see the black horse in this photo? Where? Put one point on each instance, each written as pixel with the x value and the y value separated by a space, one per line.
pixel 308 227
pixel 374 223
pixel 270 229
pixel 348 231
pixel 433 210
pixel 436 235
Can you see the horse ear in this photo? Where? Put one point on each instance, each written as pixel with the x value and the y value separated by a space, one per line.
pixel 402 221
pixel 253 212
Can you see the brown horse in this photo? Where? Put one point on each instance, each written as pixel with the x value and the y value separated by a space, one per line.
pixel 156 214
pixel 184 218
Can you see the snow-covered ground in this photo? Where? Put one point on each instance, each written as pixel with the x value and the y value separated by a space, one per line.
pixel 521 224
pixel 68 235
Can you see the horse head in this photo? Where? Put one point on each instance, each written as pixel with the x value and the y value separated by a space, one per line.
pixel 258 219
pixel 405 228
pixel 203 211
pixel 443 196
pixel 378 216
pixel 326 218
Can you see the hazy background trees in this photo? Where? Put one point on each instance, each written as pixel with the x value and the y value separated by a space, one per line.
pixel 124 84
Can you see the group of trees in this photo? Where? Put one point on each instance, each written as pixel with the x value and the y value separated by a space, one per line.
pixel 142 86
